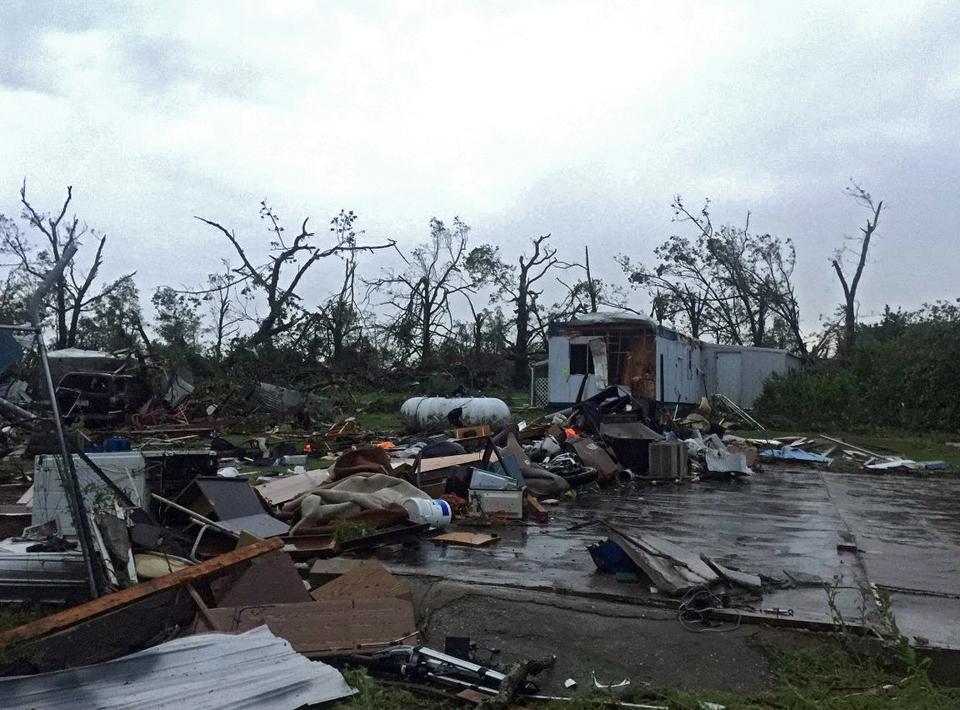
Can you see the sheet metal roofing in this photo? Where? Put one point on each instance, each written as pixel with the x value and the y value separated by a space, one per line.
pixel 608 317
pixel 249 670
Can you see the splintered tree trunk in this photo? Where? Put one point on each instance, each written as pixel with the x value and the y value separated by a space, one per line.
pixel 426 342
pixel 521 358
pixel 62 335
pixel 849 327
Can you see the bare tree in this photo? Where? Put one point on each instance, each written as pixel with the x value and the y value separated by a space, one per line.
pixel 339 317
pixel 421 295
pixel 276 282
pixel 517 285
pixel 73 294
pixel 850 285
pixel 225 308
pixel 586 295
pixel 727 282
pixel 678 293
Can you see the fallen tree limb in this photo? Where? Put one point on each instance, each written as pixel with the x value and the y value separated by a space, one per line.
pixel 512 684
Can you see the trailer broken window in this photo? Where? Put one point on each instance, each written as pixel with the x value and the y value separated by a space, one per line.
pixel 581 361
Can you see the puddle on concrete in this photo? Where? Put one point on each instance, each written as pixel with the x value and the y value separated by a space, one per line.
pixel 779 520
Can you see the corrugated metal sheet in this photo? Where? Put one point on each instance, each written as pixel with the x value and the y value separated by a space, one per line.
pixel 607 318
pixel 250 670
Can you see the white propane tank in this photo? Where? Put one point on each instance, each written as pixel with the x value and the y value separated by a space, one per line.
pixel 420 413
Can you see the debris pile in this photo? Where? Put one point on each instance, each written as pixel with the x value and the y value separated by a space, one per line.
pixel 167 539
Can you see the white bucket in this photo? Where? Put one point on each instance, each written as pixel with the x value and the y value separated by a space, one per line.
pixel 435 512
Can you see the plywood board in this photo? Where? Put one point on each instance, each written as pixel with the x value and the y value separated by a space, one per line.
pixel 287 488
pixel 324 628
pixel 271 579
pixel 440 461
pixel 466 538
pixel 369 580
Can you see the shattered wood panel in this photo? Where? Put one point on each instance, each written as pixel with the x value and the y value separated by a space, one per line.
pixel 640 366
pixel 595 457
pixel 105 637
pixel 672 569
pixel 324 571
pixel 324 628
pixel 369 580
pixel 227 498
pixel 744 579
pixel 271 579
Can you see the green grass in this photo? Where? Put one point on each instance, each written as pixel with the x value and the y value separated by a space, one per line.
pixel 372 695
pixel 925 446
pixel 13 615
pixel 831 680
pixel 380 412
pixel 380 422
pixel 806 680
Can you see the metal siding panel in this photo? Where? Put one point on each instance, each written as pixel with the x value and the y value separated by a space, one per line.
pixel 249 670
pixel 681 370
pixel 756 365
pixel 559 356
pixel 730 375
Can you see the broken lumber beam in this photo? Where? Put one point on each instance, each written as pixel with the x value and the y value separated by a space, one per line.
pixel 125 597
pixel 536 510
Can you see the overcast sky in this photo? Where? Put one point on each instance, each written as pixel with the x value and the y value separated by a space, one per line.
pixel 581 119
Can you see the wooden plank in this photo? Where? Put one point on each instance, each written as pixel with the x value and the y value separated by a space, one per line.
pixel 671 568
pixel 471 432
pixel 125 597
pixel 536 510
pixel 848 445
pixel 441 461
pixel 466 538
pixel 287 488
pixel 744 579
pixel 306 547
pixel 202 608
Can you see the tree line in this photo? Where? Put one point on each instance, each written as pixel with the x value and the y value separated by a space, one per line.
pixel 721 282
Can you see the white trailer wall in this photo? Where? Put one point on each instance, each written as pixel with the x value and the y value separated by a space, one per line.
pixel 739 372
pixel 127 469
pixel 679 369
pixel 563 385
pixel 686 370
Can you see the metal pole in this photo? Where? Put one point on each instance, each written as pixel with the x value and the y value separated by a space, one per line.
pixel 532 382
pixel 72 484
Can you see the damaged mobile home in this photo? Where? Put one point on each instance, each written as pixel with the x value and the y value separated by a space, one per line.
pixel 597 350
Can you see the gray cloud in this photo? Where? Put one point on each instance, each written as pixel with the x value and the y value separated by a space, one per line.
pixel 577 119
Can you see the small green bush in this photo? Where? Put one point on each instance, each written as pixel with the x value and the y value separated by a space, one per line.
pixel 904 373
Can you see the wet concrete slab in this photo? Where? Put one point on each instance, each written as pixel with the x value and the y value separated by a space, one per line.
pixel 781 523
pixel 908 531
